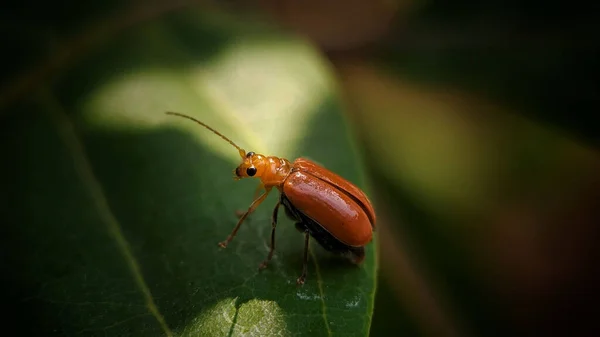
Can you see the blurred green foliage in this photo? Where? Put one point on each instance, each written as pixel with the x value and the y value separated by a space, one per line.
pixel 481 140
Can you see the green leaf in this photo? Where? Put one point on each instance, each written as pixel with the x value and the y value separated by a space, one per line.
pixel 115 209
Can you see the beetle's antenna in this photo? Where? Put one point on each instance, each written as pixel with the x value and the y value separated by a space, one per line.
pixel 242 152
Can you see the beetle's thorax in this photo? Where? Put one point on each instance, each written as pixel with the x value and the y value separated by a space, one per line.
pixel 275 171
pixel 271 170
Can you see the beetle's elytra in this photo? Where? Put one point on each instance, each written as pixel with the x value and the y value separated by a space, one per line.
pixel 324 205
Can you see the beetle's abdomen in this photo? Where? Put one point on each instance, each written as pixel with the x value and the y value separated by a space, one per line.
pixel 330 207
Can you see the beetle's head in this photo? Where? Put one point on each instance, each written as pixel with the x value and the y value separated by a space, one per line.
pixel 253 165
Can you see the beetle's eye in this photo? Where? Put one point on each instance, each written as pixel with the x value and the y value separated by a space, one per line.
pixel 251 171
pixel 249 154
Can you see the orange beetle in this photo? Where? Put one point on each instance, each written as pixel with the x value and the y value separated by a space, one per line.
pixel 324 205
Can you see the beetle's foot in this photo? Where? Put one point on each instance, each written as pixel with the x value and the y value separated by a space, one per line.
pixel 223 244
pixel 239 213
pixel 300 280
pixel 263 265
pixel 356 259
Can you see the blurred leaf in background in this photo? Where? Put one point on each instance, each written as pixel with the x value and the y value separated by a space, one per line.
pixel 113 210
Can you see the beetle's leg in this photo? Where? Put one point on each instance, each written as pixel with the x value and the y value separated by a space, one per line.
pixel 264 264
pixel 302 277
pixel 252 207
pixel 356 255
pixel 260 187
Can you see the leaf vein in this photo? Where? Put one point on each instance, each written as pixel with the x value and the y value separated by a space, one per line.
pixel 321 292
pixel 67 132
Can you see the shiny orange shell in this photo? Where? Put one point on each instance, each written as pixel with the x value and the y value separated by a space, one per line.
pixel 337 205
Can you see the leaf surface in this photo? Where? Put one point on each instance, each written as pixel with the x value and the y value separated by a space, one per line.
pixel 115 209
